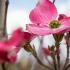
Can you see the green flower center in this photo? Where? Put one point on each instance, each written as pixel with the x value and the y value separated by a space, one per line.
pixel 54 24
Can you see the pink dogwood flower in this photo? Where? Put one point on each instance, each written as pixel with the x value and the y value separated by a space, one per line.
pixel 9 48
pixel 45 21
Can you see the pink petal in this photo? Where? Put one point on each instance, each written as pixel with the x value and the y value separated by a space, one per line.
pixel 38 30
pixel 1 61
pixel 45 30
pixel 12 54
pixel 66 22
pixel 3 56
pixel 12 59
pixel 29 36
pixel 9 48
pixel 60 30
pixel 62 16
pixel 17 37
pixel 10 45
pixel 43 12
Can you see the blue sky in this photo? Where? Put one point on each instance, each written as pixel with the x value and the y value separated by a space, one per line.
pixel 29 4
pixel 21 4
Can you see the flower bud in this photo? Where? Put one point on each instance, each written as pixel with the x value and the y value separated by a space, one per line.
pixel 28 47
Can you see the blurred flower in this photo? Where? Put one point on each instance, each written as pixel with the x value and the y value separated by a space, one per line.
pixel 9 48
pixel 62 16
pixel 28 36
pixel 44 17
pixel 51 50
pixel 46 51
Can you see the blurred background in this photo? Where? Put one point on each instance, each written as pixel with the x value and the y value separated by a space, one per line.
pixel 18 16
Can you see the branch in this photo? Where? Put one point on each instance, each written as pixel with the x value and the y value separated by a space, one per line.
pixel 67 67
pixel 54 61
pixel 53 1
pixel 67 58
pixel 3 66
pixel 58 58
pixel 4 29
pixel 5 19
pixel 58 54
pixel 38 60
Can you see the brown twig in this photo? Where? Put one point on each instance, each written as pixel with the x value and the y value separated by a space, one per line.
pixel 5 19
pixel 58 59
pixel 58 54
pixel 4 30
pixel 3 66
pixel 54 62
pixel 53 56
pixel 67 58
pixel 53 1
pixel 38 60
pixel 67 67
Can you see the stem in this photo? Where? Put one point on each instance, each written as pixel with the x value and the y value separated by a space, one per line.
pixel 53 56
pixel 4 30
pixel 67 67
pixel 53 1
pixel 58 38
pixel 3 66
pixel 49 62
pixel 58 54
pixel 58 58
pixel 54 62
pixel 39 61
pixel 67 59
pixel 67 42
pixel 6 9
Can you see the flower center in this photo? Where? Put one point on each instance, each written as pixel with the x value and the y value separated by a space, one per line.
pixel 54 24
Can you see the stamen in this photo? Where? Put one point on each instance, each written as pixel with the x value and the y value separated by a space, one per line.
pixel 54 24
